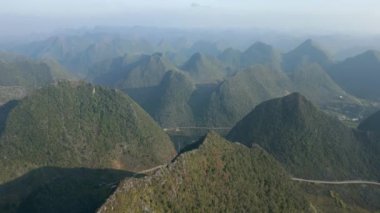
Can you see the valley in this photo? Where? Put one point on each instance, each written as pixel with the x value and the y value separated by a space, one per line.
pixel 158 120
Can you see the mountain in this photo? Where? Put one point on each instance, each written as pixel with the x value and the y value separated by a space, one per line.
pixel 203 46
pixel 129 72
pixel 172 108
pixel 261 53
pixel 359 75
pixel 79 125
pixel 24 73
pixel 204 69
pixel 372 123
pixel 79 51
pixel 231 57
pixel 213 176
pixel 57 47
pixel 101 71
pixel 168 103
pixel 258 53
pixel 307 52
pixel 20 75
pixel 238 94
pixel 309 143
pixel 316 84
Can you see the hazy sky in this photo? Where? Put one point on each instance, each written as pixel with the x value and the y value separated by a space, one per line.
pixel 20 16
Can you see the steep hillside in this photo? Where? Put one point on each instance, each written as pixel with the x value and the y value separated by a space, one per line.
pixel 24 73
pixel 258 53
pixel 204 69
pixel 101 72
pixel 314 82
pixel 359 75
pixel 307 142
pixel 261 53
pixel 172 108
pixel 107 48
pixel 167 103
pixel 213 177
pixel 79 125
pixel 146 71
pixel 307 52
pixel 79 52
pixel 231 57
pixel 237 95
pixel 20 75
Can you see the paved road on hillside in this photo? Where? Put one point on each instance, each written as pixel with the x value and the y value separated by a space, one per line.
pixel 196 127
pixel 344 182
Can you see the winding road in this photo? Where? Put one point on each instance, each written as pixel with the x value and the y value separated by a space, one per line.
pixel 343 182
pixel 195 127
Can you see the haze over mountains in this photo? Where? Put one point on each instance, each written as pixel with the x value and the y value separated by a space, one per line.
pixel 120 121
pixel 258 74
pixel 20 75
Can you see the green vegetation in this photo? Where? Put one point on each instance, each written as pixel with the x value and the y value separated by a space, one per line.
pixel 218 176
pixel 258 53
pixel 220 93
pixel 172 108
pixel 24 73
pixel 308 52
pixel 79 52
pixel 261 53
pixel 129 72
pixel 314 82
pixel 231 58
pixel 309 143
pixel 80 125
pixel 20 75
pixel 46 136
pixel 237 95
pixel 204 69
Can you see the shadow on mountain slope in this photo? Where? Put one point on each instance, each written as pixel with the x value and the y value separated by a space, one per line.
pixel 51 189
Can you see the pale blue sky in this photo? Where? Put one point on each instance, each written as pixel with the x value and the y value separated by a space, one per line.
pixel 18 16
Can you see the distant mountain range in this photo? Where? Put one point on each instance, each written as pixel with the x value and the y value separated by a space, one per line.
pixel 308 52
pixel 359 75
pixel 204 69
pixel 72 146
pixel 219 92
pixel 135 72
pixel 20 75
